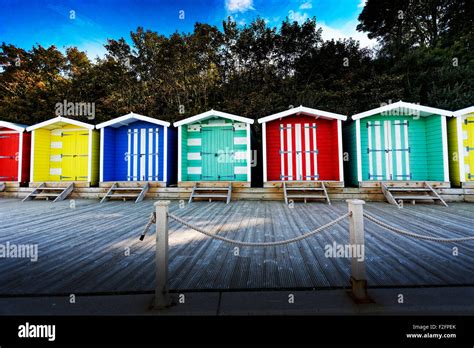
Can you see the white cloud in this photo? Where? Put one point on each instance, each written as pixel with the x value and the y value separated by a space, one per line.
pixel 362 3
pixel 239 5
pixel 307 5
pixel 296 16
pixel 345 32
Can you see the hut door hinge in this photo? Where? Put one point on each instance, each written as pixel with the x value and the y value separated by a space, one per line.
pixel 469 148
pixel 466 121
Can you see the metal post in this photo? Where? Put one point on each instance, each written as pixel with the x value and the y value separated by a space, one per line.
pixel 358 278
pixel 162 298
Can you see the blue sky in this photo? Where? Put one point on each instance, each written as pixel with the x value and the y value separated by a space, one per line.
pixel 87 23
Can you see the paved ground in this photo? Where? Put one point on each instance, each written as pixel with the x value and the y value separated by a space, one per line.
pixel 417 301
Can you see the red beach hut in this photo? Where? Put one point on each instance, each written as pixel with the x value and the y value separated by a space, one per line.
pixel 14 153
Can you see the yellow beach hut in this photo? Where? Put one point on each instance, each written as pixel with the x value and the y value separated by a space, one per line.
pixel 64 150
pixel 461 147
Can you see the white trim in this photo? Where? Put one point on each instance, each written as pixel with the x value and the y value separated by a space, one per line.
pixel 32 156
pixel 289 148
pixel 462 169
pixel 57 120
pixel 19 128
pixel 359 152
pixel 339 144
pixel 464 111
pixel 89 157
pixel 401 104
pixel 101 161
pixel 143 137
pixel 212 113
pixel 249 154
pixel 195 170
pixel 302 110
pixel 240 140
pixel 20 157
pixel 165 156
pixel 121 121
pixel 179 153
pixel 264 151
pixel 241 170
pixel 445 148
pixel 194 142
pixel 9 132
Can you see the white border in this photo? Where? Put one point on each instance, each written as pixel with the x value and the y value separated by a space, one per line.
pixel 302 110
pixel 32 157
pixel 57 120
pixel 20 157
pixel 359 152
pixel 16 127
pixel 401 104
pixel 101 162
pixel 445 148
pixel 179 153
pixel 89 157
pixel 464 111
pixel 339 144
pixel 165 155
pixel 121 121
pixel 264 151
pixel 212 113
pixel 249 154
pixel 462 169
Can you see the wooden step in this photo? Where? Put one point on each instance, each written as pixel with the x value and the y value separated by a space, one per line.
pixel 303 192
pixel 44 195
pixel 420 189
pixel 415 197
pixel 60 192
pixel 124 195
pixel 210 196
pixel 307 196
pixel 209 192
pixel 124 192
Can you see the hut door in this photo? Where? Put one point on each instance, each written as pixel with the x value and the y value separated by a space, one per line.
pixel 143 154
pixel 298 152
pixel 8 157
pixel 388 150
pixel 75 158
pixel 217 153
pixel 469 147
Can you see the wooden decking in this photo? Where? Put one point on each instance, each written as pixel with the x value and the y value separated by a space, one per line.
pixel 83 249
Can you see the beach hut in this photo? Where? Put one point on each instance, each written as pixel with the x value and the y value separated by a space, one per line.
pixel 14 154
pixel 302 146
pixel 461 147
pixel 214 152
pixel 398 147
pixel 64 152
pixel 136 150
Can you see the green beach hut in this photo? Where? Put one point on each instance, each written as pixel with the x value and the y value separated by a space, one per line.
pixel 215 147
pixel 398 142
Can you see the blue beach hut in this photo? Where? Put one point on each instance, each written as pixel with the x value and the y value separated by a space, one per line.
pixel 134 147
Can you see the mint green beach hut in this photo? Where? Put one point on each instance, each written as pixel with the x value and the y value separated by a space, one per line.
pixel 399 142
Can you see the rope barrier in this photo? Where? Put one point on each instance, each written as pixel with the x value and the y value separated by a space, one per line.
pixel 151 221
pixel 266 244
pixel 415 235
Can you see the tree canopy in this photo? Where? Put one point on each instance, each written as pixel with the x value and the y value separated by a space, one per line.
pixel 423 55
